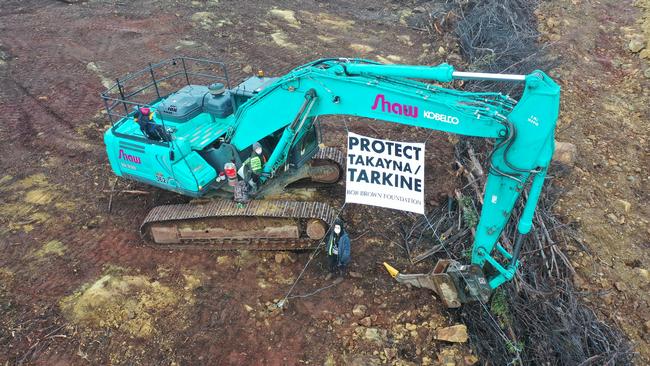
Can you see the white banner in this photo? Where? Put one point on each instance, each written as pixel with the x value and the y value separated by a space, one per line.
pixel 385 173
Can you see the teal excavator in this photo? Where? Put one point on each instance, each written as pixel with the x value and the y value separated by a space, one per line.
pixel 181 126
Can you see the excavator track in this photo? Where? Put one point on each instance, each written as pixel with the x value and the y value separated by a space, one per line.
pixel 331 155
pixel 222 224
pixel 182 225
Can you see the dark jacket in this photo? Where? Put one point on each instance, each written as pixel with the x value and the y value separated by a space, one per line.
pixel 343 245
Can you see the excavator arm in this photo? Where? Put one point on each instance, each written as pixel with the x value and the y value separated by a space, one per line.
pixel 523 132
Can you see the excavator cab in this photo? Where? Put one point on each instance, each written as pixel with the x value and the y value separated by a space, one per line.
pixel 169 122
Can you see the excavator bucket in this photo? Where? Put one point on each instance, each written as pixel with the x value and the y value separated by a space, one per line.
pixel 455 284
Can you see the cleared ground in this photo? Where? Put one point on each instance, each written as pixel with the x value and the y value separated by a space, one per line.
pixel 77 282
pixel 78 286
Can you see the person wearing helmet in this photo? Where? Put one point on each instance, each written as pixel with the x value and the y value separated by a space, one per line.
pixel 144 118
pixel 338 249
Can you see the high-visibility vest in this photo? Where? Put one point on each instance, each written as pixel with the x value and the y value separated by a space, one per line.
pixel 330 246
pixel 256 164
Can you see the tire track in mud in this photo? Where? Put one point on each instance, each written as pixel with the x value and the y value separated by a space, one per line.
pixel 55 131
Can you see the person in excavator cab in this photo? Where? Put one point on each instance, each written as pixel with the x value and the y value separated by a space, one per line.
pixel 144 118
pixel 338 250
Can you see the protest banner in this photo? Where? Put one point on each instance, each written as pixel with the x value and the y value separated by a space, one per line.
pixel 385 173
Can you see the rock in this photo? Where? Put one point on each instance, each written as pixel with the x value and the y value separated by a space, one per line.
pixel 366 322
pixel 608 299
pixel 645 54
pixel 565 153
pixel 612 217
pixel 289 16
pixel 284 258
pixel 410 326
pixel 361 48
pixel 441 51
pixel 248 69
pixel 552 22
pixel 620 286
pixel 359 310
pixel 187 43
pixel 646 73
pixel 375 335
pixel 223 260
pixel 406 39
pixel 426 361
pixel 470 360
pixel 447 357
pixel 390 353
pixel 625 204
pixel 647 326
pixel 355 274
pixel 203 17
pixel 643 273
pixel 281 39
pixel 456 333
pixel 636 44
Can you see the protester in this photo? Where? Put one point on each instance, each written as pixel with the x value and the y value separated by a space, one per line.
pixel 338 250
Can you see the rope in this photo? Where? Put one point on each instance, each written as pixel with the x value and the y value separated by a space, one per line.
pixel 500 331
pixel 311 257
pixel 483 305
pixel 315 291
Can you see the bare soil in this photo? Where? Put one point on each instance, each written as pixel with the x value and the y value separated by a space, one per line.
pixel 604 111
pixel 78 285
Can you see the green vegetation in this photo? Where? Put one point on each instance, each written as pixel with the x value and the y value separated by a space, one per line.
pixel 470 216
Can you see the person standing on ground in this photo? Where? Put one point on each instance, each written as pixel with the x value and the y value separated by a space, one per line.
pixel 338 249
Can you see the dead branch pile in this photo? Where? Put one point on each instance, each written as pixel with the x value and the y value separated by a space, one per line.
pixel 500 36
pixel 539 317
pixel 541 312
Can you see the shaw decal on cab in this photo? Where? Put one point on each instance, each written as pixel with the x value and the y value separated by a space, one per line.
pixel 130 158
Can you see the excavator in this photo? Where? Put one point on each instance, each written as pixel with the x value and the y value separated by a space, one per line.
pixel 181 126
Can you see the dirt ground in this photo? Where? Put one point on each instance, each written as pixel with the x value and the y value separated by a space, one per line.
pixel 78 285
pixel 605 112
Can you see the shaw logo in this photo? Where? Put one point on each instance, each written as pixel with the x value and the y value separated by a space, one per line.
pixel 130 158
pixel 401 109
pixel 441 117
